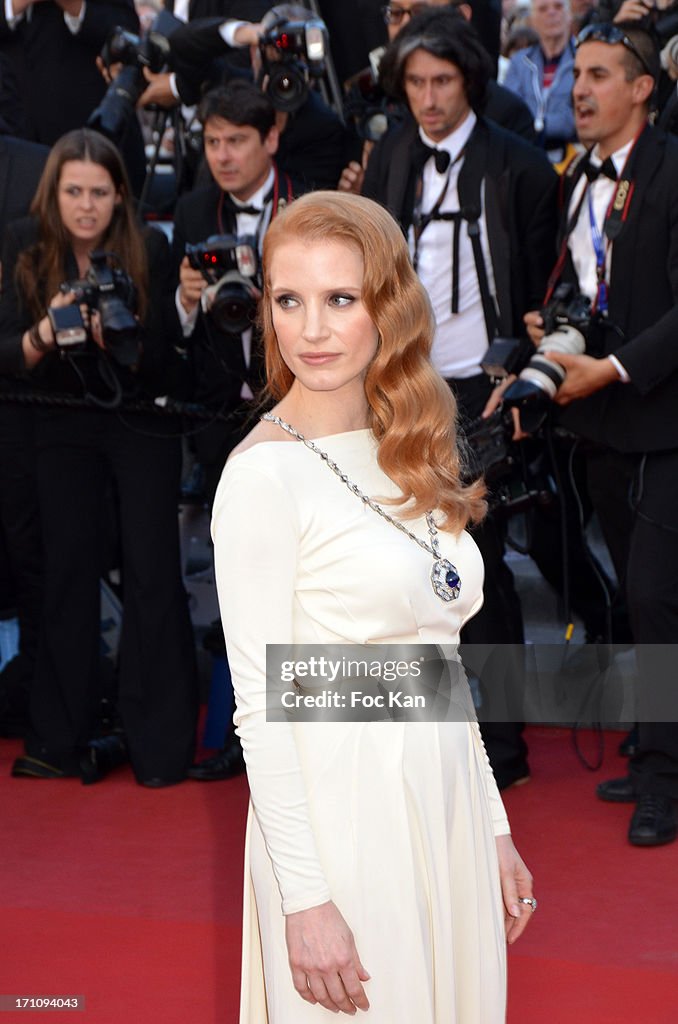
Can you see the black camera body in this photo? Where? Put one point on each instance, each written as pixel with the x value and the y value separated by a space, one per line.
pixel 566 308
pixel 300 49
pixel 230 265
pixel 366 104
pixel 110 291
pixel 567 324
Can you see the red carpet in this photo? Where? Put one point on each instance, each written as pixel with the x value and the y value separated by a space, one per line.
pixel 131 897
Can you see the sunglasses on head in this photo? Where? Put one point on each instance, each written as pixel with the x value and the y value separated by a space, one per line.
pixel 394 15
pixel 606 32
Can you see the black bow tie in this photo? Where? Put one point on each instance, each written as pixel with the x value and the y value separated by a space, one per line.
pixel 607 169
pixel 235 207
pixel 238 208
pixel 423 153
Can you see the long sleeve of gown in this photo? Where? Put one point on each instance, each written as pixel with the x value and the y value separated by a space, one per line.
pixel 500 822
pixel 256 533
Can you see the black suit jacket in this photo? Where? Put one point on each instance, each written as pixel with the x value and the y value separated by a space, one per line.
pixel 21 165
pixel 520 190
pixel 643 302
pixel 509 111
pixel 58 78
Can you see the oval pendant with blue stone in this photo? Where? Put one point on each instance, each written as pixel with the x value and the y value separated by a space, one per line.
pixel 445 580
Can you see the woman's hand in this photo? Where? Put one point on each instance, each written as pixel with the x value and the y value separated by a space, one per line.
pixel 516 884
pixel 325 965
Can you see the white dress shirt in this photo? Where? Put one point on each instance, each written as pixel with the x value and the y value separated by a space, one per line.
pixel 460 339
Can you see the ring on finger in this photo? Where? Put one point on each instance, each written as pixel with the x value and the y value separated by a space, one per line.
pixel 530 901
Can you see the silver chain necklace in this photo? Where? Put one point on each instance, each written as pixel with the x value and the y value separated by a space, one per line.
pixel 445 579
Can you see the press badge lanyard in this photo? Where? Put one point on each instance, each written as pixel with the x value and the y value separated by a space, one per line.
pixel 613 222
pixel 601 249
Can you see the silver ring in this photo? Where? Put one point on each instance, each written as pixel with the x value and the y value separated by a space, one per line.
pixel 530 901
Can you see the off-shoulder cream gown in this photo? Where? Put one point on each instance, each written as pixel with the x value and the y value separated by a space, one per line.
pixel 395 822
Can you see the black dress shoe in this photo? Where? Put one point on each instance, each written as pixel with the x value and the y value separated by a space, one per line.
pixel 28 767
pixel 617 791
pixel 157 783
pixel 653 822
pixel 101 756
pixel 226 764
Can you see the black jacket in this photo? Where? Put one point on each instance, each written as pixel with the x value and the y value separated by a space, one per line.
pixel 56 71
pixel 643 303
pixel 520 189
pixel 21 165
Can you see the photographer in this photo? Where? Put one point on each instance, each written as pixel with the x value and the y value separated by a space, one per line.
pixel 478 205
pixel 312 139
pixel 619 238
pixel 52 47
pixel 82 205
pixel 501 105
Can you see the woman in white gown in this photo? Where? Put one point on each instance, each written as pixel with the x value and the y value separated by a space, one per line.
pixel 380 874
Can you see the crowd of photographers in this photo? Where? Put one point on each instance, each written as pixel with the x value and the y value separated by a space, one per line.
pixel 120 353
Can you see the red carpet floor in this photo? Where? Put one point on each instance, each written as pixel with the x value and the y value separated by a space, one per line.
pixel 131 898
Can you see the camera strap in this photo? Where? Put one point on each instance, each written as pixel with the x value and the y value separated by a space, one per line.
pixel 471 174
pixel 615 218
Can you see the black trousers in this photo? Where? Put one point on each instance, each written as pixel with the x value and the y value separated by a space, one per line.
pixel 500 620
pixel 78 454
pixel 652 594
pixel 20 523
pixel 636 499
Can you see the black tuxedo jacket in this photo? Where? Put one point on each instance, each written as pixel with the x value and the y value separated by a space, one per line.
pixel 56 71
pixel 643 303
pixel 520 189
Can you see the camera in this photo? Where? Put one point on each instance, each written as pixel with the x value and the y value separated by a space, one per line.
pixel 514 476
pixel 567 319
pixel 111 292
pixel 135 53
pixel 229 264
pixel 293 53
pixel 366 104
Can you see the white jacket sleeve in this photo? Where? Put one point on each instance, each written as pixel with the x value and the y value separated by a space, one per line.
pixel 256 534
